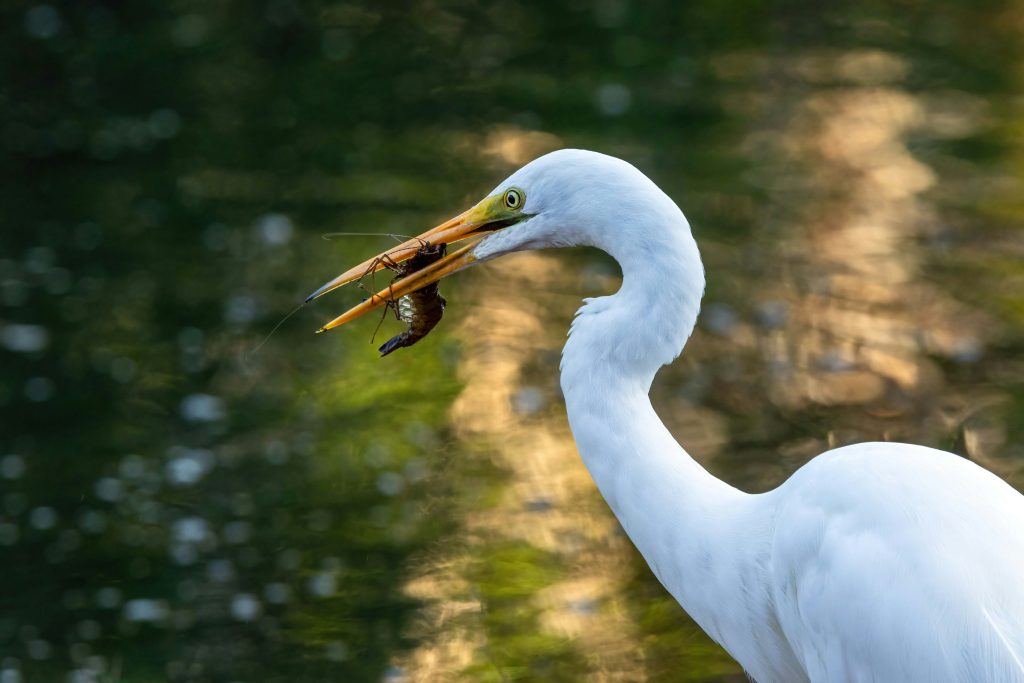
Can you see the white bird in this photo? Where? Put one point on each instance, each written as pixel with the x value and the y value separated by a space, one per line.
pixel 879 562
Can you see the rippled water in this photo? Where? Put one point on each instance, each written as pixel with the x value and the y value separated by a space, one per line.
pixel 177 506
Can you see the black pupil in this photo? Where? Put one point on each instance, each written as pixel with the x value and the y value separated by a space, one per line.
pixel 513 199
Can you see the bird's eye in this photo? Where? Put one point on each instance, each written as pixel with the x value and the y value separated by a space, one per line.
pixel 514 199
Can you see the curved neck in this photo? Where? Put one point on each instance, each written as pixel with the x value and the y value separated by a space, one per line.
pixel 616 346
pixel 621 341
pixel 676 513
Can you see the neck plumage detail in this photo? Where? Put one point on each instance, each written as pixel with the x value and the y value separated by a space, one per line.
pixel 676 513
pixel 643 326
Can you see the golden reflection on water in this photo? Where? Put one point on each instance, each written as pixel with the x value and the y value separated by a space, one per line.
pixel 868 325
pixel 864 323
pixel 548 500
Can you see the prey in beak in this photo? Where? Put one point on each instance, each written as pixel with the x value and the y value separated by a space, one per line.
pixel 422 309
pixel 493 213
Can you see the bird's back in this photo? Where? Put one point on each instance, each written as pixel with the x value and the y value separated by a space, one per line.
pixel 893 562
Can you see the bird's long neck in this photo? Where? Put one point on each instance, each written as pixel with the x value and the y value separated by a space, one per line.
pixel 681 518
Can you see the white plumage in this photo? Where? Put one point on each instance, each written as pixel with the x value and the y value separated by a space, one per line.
pixel 876 562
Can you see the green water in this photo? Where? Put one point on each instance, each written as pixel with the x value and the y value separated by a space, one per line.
pixel 175 506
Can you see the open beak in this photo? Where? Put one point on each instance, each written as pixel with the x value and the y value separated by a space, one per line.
pixel 473 225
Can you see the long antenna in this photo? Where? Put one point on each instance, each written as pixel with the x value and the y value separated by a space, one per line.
pixel 393 235
pixel 271 333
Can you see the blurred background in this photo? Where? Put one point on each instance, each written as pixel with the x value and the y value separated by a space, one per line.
pixel 177 506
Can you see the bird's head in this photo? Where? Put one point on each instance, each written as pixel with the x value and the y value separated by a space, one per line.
pixel 565 198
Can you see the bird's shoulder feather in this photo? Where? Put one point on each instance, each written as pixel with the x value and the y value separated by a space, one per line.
pixel 898 562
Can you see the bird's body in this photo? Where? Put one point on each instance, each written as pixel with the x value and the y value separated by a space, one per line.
pixel 876 562
pixel 892 562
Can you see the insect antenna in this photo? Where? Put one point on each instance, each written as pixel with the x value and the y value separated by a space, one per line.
pixel 248 356
pixel 398 237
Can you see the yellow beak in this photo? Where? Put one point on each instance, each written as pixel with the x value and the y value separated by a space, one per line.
pixel 487 216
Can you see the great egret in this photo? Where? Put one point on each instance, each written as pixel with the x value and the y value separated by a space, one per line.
pixel 875 562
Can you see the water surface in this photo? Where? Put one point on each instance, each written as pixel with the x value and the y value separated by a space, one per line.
pixel 176 506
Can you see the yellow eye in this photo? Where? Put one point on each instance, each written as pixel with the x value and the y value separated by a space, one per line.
pixel 514 199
